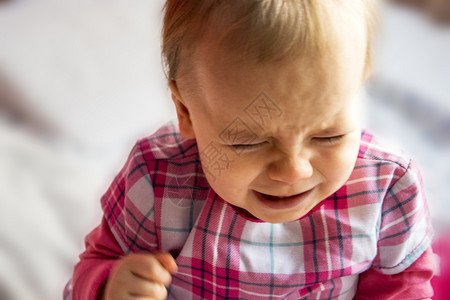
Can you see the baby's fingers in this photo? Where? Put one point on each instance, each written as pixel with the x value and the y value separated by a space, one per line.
pixel 143 289
pixel 150 268
pixel 167 261
pixel 140 277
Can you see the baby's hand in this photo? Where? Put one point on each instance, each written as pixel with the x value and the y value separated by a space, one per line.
pixel 140 276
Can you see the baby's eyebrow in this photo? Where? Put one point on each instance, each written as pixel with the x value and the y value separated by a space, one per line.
pixel 333 129
pixel 238 133
pixel 329 130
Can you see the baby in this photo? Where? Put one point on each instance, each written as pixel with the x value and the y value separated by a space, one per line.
pixel 268 188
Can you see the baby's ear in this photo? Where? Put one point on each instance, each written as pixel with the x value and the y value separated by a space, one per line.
pixel 184 117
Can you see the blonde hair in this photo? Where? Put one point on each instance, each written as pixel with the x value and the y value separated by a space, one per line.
pixel 257 30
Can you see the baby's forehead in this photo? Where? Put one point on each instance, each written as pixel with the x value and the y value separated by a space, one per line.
pixel 217 70
pixel 285 89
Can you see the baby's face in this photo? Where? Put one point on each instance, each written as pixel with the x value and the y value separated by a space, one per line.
pixel 275 140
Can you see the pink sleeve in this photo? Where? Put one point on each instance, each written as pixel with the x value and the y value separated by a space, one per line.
pixel 92 271
pixel 441 283
pixel 413 283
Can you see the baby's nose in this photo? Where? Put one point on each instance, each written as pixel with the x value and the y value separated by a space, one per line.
pixel 290 169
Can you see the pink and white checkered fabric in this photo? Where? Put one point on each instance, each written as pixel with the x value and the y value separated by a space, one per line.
pixel 161 201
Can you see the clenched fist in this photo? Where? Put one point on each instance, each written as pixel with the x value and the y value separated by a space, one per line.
pixel 140 277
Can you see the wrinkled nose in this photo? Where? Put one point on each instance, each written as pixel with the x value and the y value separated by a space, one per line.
pixel 290 169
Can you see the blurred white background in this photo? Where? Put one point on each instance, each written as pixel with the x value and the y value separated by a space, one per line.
pixel 81 80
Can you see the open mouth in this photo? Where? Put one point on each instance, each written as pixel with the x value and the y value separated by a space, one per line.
pixel 282 202
pixel 270 197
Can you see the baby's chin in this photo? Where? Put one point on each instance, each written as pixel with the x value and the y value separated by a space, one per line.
pixel 245 213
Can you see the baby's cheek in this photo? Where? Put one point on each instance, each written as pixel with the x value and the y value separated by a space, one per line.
pixel 239 178
pixel 337 164
pixel 344 167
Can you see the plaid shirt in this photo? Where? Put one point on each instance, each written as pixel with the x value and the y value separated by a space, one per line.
pixel 161 201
